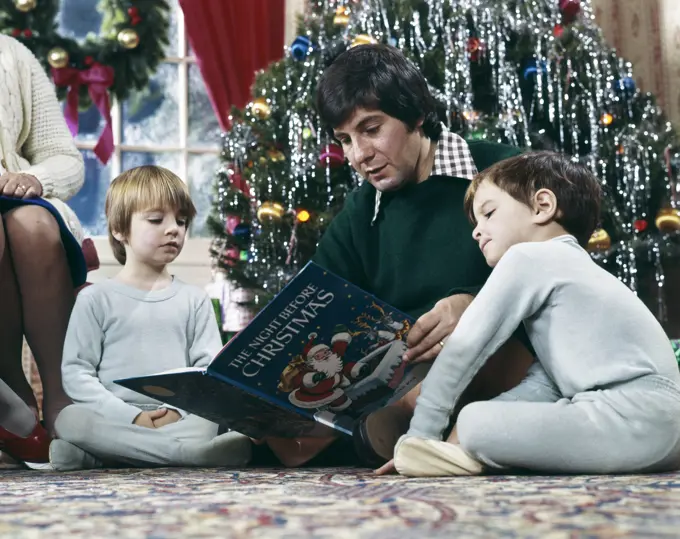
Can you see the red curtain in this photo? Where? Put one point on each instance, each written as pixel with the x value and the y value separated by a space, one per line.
pixel 232 39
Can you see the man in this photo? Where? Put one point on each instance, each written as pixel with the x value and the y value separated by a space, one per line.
pixel 403 235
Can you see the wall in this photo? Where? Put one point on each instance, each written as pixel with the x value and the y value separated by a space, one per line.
pixel 293 7
pixel 647 33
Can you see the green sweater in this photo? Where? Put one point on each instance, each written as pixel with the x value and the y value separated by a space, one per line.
pixel 420 248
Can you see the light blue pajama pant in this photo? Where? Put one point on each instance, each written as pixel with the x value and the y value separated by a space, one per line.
pixel 631 427
pixel 191 441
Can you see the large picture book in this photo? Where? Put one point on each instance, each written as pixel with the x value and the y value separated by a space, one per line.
pixel 322 352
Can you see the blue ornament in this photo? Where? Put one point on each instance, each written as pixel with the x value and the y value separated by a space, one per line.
pixel 242 230
pixel 626 84
pixel 301 47
pixel 532 68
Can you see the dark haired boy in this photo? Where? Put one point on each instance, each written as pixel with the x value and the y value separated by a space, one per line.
pixel 604 394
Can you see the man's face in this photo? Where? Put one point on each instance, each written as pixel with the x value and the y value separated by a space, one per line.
pixel 381 148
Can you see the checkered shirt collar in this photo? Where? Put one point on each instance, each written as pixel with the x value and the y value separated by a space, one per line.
pixel 452 158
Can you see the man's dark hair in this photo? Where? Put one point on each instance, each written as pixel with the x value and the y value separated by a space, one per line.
pixel 575 187
pixel 376 77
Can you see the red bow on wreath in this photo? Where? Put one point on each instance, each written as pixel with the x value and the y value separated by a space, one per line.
pixel 98 80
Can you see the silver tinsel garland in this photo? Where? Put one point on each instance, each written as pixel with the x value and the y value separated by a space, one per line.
pixel 583 101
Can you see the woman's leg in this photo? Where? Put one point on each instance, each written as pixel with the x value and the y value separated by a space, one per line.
pixel 47 296
pixel 11 327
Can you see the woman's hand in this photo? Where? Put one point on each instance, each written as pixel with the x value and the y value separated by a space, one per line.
pixel 20 185
pixel 426 337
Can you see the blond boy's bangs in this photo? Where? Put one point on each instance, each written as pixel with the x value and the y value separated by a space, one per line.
pixel 163 190
pixel 144 189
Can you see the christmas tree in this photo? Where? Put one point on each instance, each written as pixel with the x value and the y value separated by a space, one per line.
pixel 532 73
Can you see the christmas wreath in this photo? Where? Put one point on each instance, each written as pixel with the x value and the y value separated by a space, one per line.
pixel 124 55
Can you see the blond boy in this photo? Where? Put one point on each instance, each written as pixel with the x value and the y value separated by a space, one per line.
pixel 142 321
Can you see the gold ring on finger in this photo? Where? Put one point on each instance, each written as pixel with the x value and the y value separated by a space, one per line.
pixel 441 343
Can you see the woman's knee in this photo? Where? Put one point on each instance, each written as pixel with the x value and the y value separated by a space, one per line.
pixel 31 227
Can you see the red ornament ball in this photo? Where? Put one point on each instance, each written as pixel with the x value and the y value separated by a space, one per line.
pixel 16 32
pixel 332 155
pixel 473 44
pixel 558 31
pixel 28 33
pixel 133 11
pixel 474 48
pixel 570 10
pixel 232 222
pixel 232 256
pixel 640 225
pixel 88 60
pixel 135 20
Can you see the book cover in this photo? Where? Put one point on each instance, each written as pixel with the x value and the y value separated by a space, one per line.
pixel 322 350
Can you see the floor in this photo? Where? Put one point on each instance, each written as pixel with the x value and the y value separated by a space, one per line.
pixel 325 503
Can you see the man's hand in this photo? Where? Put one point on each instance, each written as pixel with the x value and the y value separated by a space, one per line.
pixel 386 468
pixel 172 416
pixel 146 419
pixel 20 185
pixel 430 330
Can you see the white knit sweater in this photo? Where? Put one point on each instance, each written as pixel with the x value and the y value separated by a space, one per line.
pixel 34 137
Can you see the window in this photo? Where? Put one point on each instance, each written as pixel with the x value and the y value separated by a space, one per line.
pixel 170 123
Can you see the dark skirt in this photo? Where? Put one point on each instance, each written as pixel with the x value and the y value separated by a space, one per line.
pixel 74 252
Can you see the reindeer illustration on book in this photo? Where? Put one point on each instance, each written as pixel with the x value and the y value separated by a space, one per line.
pixel 322 378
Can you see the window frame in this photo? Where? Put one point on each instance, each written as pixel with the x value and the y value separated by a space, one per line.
pixel 194 262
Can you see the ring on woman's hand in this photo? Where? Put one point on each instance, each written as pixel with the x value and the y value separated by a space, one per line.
pixel 441 343
pixel 21 187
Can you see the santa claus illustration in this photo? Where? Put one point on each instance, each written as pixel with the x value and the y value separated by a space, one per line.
pixel 317 378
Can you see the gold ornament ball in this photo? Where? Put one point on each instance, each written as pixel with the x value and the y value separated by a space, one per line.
pixel 668 220
pixel 306 133
pixel 276 156
pixel 270 210
pixel 363 39
pixel 303 216
pixel 471 115
pixel 25 5
pixel 341 16
pixel 260 108
pixel 128 38
pixel 57 57
pixel 599 240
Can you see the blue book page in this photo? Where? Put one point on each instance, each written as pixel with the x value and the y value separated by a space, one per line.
pixel 323 348
pixel 197 392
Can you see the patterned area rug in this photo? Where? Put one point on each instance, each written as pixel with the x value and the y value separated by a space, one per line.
pixel 326 503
